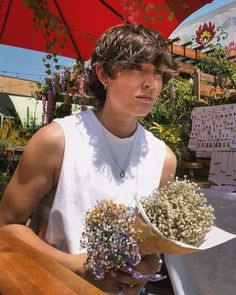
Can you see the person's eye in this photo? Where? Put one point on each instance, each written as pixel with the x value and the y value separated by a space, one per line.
pixel 158 72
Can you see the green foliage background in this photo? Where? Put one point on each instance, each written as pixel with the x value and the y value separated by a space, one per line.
pixel 170 119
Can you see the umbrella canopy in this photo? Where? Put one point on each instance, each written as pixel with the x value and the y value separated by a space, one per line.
pixel 83 21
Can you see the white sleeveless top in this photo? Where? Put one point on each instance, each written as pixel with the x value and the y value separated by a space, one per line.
pixel 89 173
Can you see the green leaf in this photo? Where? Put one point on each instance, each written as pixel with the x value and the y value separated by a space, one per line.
pixel 48 56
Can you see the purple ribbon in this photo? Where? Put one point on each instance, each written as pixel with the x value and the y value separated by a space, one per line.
pixel 149 277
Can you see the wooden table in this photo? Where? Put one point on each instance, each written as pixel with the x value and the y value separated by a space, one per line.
pixel 26 271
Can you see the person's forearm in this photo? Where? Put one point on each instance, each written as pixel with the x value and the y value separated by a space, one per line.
pixel 74 262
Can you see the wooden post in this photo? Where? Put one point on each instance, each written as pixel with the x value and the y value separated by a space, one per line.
pixel 173 103
pixel 196 83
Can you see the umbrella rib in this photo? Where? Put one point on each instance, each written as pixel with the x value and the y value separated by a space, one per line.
pixel 5 18
pixel 112 9
pixel 69 33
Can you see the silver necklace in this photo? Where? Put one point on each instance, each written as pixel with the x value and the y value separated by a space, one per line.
pixel 122 170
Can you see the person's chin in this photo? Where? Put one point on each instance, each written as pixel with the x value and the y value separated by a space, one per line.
pixel 143 110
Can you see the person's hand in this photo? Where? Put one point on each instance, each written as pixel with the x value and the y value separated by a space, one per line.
pixel 150 264
pixel 116 281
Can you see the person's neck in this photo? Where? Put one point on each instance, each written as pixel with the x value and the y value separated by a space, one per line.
pixel 120 125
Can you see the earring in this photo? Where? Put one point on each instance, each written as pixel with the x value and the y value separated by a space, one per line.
pixel 105 87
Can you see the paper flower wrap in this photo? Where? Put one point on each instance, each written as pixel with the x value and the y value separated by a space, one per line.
pixel 177 220
pixel 174 219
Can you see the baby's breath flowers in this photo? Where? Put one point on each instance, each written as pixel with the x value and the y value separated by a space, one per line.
pixel 180 211
pixel 109 237
pixel 116 235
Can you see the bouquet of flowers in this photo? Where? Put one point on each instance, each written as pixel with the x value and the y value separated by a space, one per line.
pixel 174 219
pixel 110 237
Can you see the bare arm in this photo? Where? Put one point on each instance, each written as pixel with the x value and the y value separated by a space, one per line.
pixel 169 168
pixel 35 176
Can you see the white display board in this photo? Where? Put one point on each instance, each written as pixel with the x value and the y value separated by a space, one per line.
pixel 213 134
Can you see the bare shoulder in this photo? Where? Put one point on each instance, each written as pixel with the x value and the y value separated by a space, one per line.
pixel 47 137
pixel 45 149
pixel 169 167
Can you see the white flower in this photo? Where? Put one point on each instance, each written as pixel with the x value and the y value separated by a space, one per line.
pixel 180 211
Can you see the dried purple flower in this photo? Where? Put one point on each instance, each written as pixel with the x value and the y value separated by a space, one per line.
pixel 110 237
pixel 68 85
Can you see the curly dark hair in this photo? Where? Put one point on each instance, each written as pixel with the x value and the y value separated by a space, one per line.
pixel 125 47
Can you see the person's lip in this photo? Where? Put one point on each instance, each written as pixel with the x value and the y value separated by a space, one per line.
pixel 145 98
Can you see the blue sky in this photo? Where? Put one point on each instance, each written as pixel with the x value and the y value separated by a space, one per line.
pixel 27 64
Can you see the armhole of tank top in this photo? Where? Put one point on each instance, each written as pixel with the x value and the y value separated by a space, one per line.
pixel 66 124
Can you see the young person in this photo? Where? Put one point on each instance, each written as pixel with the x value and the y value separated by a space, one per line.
pixel 102 153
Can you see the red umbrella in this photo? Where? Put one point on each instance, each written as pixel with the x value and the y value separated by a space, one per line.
pixel 86 21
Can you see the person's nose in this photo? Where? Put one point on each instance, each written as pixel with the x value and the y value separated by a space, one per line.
pixel 151 81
